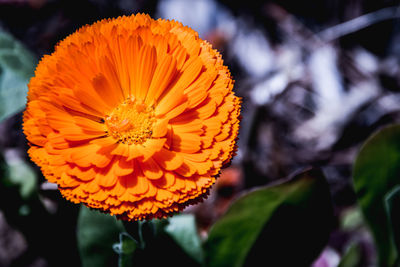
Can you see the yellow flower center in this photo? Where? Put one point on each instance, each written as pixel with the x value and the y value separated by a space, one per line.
pixel 131 122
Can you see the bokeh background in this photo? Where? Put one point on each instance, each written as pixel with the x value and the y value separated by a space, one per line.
pixel 317 78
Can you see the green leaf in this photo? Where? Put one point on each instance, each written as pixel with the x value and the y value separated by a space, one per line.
pixel 17 65
pixel 97 233
pixel 282 225
pixel 182 228
pixel 125 249
pixel 20 174
pixel 352 256
pixel 376 172
pixel 154 242
pixel 126 245
pixel 392 201
pixel 351 219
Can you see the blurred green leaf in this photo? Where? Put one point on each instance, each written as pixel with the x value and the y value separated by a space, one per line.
pixel 155 242
pixel 182 228
pixel 20 174
pixel 376 172
pixel 352 256
pixel 392 201
pixel 97 233
pixel 351 219
pixel 125 249
pixel 126 245
pixel 17 65
pixel 272 225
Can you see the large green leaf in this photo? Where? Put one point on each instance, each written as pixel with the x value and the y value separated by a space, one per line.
pixel 283 225
pixel 97 233
pixel 376 172
pixel 17 65
pixel 182 228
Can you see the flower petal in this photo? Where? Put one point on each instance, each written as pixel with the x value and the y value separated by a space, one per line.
pixel 186 142
pixel 160 128
pixel 145 70
pixel 163 75
pixel 123 167
pixel 151 169
pixel 107 90
pixel 137 185
pixel 173 97
pixel 150 147
pixel 166 181
pixel 168 160
pixel 105 177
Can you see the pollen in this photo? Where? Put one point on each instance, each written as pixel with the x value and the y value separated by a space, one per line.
pixel 131 122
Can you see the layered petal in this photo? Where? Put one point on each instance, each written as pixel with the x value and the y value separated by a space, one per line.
pixel 132 116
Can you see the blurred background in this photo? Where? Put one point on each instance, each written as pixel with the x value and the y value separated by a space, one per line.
pixel 317 78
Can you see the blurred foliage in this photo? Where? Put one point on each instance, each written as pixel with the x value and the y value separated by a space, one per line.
pixel 26 210
pixel 125 248
pixel 104 241
pixel 260 226
pixel 352 257
pixel 183 229
pixel 16 68
pixel 20 174
pixel 392 201
pixel 257 225
pixel 351 219
pixel 376 173
pixel 97 233
pixel 20 202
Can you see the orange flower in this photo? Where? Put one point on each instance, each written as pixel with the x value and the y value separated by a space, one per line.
pixel 132 116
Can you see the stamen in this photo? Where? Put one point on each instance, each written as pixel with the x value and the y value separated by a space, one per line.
pixel 131 122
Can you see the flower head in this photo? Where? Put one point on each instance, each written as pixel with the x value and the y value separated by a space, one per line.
pixel 132 116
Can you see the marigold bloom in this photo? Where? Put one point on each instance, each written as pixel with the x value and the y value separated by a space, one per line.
pixel 132 116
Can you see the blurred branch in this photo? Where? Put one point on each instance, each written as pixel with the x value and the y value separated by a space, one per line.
pixel 359 23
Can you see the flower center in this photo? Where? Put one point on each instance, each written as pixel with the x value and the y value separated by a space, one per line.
pixel 131 122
